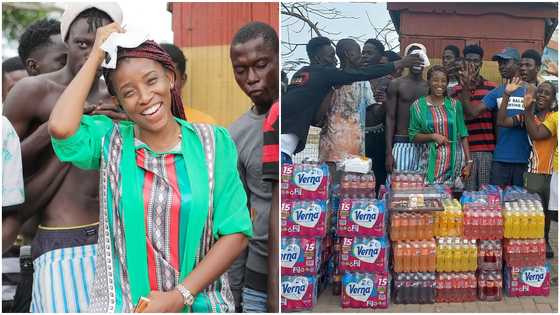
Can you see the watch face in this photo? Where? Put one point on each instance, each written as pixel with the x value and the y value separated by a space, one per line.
pixel 190 300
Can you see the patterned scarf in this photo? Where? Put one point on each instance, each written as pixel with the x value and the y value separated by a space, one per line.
pixel 149 50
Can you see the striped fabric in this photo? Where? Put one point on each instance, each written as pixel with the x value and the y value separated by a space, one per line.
pixel 541 158
pixel 481 129
pixel 444 162
pixel 62 280
pixel 166 193
pixel 407 156
pixel 123 270
pixel 271 148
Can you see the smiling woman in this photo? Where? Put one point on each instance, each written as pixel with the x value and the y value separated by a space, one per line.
pixel 172 216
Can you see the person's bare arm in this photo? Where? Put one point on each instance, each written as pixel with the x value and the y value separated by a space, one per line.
pixel 536 132
pixel 503 120
pixel 67 113
pixel 215 263
pixel 429 137
pixel 21 104
pixel 39 190
pixel 466 172
pixel 391 110
pixel 273 251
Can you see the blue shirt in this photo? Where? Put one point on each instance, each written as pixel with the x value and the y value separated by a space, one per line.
pixel 513 143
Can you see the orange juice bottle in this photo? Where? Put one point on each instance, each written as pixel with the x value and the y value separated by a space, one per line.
pixel 395 226
pixel 416 258
pixel 407 257
pixel 398 257
pixel 435 216
pixel 404 227
pixel 429 228
pixel 433 257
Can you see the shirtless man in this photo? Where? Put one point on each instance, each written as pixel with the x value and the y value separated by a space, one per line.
pixel 41 50
pixel 69 219
pixel 401 93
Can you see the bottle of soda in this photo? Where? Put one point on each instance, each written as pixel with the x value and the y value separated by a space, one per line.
pixel 337 283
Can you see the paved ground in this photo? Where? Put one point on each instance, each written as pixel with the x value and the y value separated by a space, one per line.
pixel 328 303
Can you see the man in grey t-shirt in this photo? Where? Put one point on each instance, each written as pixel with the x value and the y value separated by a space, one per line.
pixel 254 57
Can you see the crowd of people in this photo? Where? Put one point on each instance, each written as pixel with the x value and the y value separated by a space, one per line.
pixel 123 198
pixel 445 120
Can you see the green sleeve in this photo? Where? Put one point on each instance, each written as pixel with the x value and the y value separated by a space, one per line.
pixel 462 130
pixel 230 201
pixel 415 121
pixel 83 149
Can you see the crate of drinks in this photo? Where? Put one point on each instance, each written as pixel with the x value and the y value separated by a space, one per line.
pixel 414 288
pixel 364 217
pixel 490 285
pixel 528 281
pixel 456 255
pixel 523 219
pixel 365 290
pixel 425 199
pixel 356 185
pixel 304 218
pixel 456 287
pixel 298 293
pixel 414 256
pixel 490 255
pixel 482 222
pixel 305 181
pixel 410 226
pixel 524 253
pixel 450 221
pixel 300 256
pixel 406 180
pixel 364 254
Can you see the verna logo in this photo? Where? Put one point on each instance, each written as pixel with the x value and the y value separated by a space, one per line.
pixel 365 217
pixel 289 255
pixel 308 216
pixel 310 179
pixel 360 291
pixel 534 277
pixel 295 289
pixel 367 252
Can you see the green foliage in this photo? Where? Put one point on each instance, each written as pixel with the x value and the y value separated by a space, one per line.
pixel 15 20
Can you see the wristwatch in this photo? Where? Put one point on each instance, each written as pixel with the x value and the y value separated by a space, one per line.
pixel 188 298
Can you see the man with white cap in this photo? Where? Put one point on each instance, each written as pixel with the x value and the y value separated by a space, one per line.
pixel 64 196
pixel 400 153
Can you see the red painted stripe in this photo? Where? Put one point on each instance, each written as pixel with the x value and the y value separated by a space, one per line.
pixel 270 153
pixel 175 207
pixel 200 24
pixel 148 182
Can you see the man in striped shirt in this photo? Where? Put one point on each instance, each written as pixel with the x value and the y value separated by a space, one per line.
pixel 482 139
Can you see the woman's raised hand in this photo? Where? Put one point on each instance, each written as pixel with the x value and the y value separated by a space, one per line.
pixel 513 85
pixel 101 36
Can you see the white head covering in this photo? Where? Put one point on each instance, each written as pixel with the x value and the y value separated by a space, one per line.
pixel 422 52
pixel 74 9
